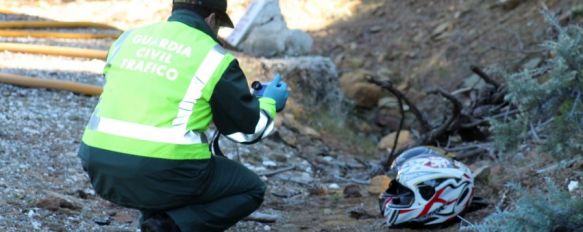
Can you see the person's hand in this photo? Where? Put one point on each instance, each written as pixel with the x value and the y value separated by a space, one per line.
pixel 277 90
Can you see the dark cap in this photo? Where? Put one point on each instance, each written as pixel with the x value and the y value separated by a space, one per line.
pixel 219 7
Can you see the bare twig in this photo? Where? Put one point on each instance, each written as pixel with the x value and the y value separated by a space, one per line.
pixel 572 113
pixel 362 182
pixel 534 133
pixel 503 199
pixel 485 76
pixel 456 112
pixel 562 164
pixel 423 123
pixel 262 217
pixel 278 171
pixel 289 195
pixel 401 123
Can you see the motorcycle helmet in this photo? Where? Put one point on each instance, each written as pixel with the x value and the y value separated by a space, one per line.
pixel 429 188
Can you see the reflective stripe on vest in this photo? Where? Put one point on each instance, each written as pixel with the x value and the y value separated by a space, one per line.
pixel 178 133
pixel 199 81
pixel 145 132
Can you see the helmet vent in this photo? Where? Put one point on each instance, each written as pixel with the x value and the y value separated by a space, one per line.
pixel 426 191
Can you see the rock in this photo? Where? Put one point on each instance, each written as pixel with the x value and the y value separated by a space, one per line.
pixel 298 43
pixel 389 102
pixel 440 30
pixel 379 184
pixel 311 132
pixel 123 217
pixel 270 36
pixel 355 86
pixel 573 185
pixel 375 29
pixel 333 186
pixel 388 118
pixel 269 163
pixel 360 213
pixel 56 201
pixel 509 4
pixel 103 221
pixel 312 80
pixel 387 142
pixel 288 136
pixel 352 191
pixel 317 190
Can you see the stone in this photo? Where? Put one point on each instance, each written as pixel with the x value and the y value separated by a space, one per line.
pixel 356 87
pixel 312 80
pixel 440 30
pixel 102 221
pixel 389 102
pixel 375 29
pixel 311 132
pixel 56 201
pixel 379 184
pixel 298 43
pixel 271 37
pixel 509 4
pixel 334 186
pixel 352 191
pixel 387 142
pixel 123 217
pixel 360 213
pixel 317 190
pixel 388 118
pixel 573 185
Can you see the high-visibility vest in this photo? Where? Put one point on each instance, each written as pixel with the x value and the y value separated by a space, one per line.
pixel 155 103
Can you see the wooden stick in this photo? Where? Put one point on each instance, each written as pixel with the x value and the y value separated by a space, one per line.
pixel 53 34
pixel 53 24
pixel 90 90
pixel 278 171
pixel 54 50
pixel 262 217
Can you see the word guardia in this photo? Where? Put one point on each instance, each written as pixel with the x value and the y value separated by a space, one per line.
pixel 155 56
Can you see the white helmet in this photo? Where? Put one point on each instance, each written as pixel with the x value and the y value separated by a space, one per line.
pixel 429 189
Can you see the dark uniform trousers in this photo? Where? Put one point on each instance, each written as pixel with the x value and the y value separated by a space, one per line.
pixel 199 195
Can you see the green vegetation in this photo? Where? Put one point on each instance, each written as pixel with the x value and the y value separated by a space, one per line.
pixel 549 99
pixel 553 210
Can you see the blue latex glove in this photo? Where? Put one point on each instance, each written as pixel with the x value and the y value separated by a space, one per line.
pixel 277 90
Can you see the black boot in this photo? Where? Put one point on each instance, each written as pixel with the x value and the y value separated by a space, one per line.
pixel 159 223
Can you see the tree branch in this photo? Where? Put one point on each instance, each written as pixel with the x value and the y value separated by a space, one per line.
pixel 456 112
pixel 423 123
pixel 478 71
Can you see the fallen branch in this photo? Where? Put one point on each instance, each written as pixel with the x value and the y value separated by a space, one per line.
pixel 262 217
pixel 423 123
pixel 278 171
pixel 560 165
pixel 478 71
pixel 289 195
pixel 362 182
pixel 456 112
pixel 388 162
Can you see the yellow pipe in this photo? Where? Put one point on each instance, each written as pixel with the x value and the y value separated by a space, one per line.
pixel 52 34
pixel 53 24
pixel 7 11
pixel 54 51
pixel 90 90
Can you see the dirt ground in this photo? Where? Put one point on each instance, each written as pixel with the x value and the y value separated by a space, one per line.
pixel 419 44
